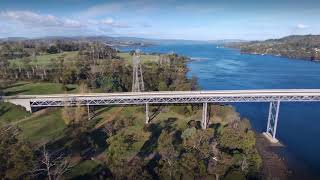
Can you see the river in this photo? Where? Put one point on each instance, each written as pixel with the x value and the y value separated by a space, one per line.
pixel 219 68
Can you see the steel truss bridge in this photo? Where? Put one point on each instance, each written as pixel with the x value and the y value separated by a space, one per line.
pixel 273 96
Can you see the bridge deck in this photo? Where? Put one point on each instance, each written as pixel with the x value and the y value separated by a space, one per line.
pixel 298 95
pixel 274 96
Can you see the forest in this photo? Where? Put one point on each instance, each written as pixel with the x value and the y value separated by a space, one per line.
pixel 305 47
pixel 113 142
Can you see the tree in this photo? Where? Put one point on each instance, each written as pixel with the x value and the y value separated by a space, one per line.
pixel 162 86
pixel 69 76
pixel 83 88
pixel 168 166
pixel 4 66
pixel 16 156
pixel 233 138
pixel 188 133
pixel 26 64
pixel 200 141
pixel 53 49
pixel 192 166
pixel 53 165
pixel 60 66
pixel 81 115
pixel 134 170
pixel 223 114
pixel 220 165
pixel 67 114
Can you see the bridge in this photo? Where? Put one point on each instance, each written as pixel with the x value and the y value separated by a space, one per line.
pixel 273 96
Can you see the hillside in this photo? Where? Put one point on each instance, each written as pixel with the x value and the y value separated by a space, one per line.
pixel 172 146
pixel 111 41
pixel 98 143
pixel 297 46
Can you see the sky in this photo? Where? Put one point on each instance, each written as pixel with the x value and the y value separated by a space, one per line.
pixel 161 19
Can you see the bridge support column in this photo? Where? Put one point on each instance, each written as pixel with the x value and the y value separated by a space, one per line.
pixel 147 113
pixel 204 115
pixel 273 121
pixel 88 109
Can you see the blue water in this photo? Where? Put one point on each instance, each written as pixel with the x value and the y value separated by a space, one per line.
pixel 225 68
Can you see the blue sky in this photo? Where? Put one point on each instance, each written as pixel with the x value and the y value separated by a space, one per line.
pixel 162 19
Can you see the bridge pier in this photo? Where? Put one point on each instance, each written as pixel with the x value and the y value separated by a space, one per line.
pixel 204 120
pixel 88 109
pixel 147 113
pixel 273 121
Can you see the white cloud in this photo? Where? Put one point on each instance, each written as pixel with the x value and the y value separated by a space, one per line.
pixel 102 9
pixel 73 23
pixel 29 21
pixel 107 21
pixel 30 18
pixel 33 24
pixel 132 6
pixel 302 26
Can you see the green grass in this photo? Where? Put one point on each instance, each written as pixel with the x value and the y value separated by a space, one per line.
pixel 180 122
pixel 11 113
pixel 30 88
pixel 84 168
pixel 40 127
pixel 117 143
pixel 144 58
pixel 43 128
pixel 103 114
pixel 138 113
pixel 45 59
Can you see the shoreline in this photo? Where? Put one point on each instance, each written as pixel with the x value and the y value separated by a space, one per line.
pixel 273 165
pixel 273 55
pixel 279 55
pixel 268 152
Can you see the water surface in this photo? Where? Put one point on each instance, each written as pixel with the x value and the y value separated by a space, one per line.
pixel 227 69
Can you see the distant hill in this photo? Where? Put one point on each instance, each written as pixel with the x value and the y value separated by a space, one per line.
pixel 153 41
pixel 296 46
pixel 13 39
pixel 227 41
pixel 112 41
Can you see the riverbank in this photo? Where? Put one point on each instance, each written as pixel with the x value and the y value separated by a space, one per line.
pixel 273 166
pixel 296 47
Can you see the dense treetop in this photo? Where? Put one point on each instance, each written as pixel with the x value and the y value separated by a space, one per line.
pixel 296 46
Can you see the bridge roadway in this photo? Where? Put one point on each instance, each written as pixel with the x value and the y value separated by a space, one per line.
pixel 274 96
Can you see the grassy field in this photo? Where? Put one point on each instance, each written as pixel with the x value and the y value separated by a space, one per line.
pixel 12 113
pixel 44 127
pixel 45 59
pixel 21 88
pixel 83 170
pixel 144 58
pixel 38 127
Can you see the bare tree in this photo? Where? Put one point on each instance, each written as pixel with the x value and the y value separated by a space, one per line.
pixel 53 165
